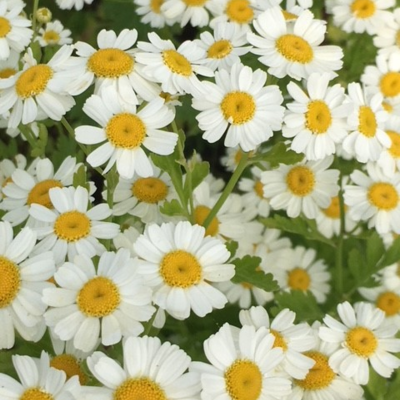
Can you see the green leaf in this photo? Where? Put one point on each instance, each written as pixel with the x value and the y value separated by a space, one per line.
pixel 246 271
pixel 302 303
pixel 375 250
pixel 279 154
pixel 79 178
pixel 199 172
pixel 232 247
pixel 377 386
pixel 172 208
pixel 394 387
pixel 299 226
pixel 356 264
pixel 391 256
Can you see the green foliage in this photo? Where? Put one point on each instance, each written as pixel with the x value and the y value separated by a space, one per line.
pixel 279 154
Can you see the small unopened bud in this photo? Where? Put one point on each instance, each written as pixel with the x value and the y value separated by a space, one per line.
pixel 43 15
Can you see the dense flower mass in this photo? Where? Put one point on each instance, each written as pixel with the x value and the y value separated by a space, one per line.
pixel 199 199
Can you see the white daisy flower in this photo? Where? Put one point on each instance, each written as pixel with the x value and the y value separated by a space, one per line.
pixel 241 105
pixel 69 4
pixel 361 15
pixel 7 167
pixel 126 239
pixel 186 12
pixel 224 47
pixel 9 66
pixel 302 187
pixel 316 120
pixel 391 277
pixel 364 339
pixel 38 381
pixel 387 38
pixel 54 34
pixel 293 49
pixel 112 65
pixel 124 131
pixel 70 228
pixel 151 370
pixel 232 157
pixel 78 312
pixel 15 33
pixel 303 272
pixel 389 159
pixel 242 365
pixel 152 14
pixel 292 339
pixel 322 382
pixel 27 188
pixel 179 262
pixel 374 198
pixel 175 69
pixel 21 284
pixel 37 90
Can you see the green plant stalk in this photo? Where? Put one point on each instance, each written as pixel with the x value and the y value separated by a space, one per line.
pixel 228 189
pixel 34 20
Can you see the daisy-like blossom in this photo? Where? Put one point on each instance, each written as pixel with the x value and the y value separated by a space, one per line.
pixel 54 34
pixel 23 277
pixel 9 66
pixel 7 167
pixel 152 14
pixel 186 12
pixel 151 370
pixel 15 33
pixel 179 262
pixel 38 380
pixel 303 272
pixel 366 138
pixel 293 49
pixel 32 187
pixel 175 69
pixel 144 197
pixel 78 312
pixel 391 277
pixel 69 4
pixel 365 340
pixel 387 38
pixel 241 105
pixel 316 120
pixel 112 65
pixel 242 365
pixel 291 338
pixel 322 382
pixel 224 47
pixel 361 15
pixel 71 227
pixel 232 157
pixel 389 159
pixel 375 198
pixel 37 91
pixel 301 188
pixel 125 131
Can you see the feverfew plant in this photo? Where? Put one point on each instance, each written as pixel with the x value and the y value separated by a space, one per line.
pixel 199 199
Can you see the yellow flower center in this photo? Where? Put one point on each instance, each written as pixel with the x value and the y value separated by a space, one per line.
pixel 361 341
pixel 70 365
pixel 110 63
pixel 246 285
pixel 243 380
pixel 7 72
pixel 219 49
pixel 318 117
pixel 150 190
pixel 259 189
pixel 389 302
pixel 320 375
pixel 288 15
pixel 387 107
pixel 333 210
pixel 238 107
pixel 126 131
pixel 367 122
pixel 363 8
pixel 299 279
pixel 200 215
pixel 98 297
pixel 294 48
pixel 177 63
pixel 33 81
pixel 397 38
pixel 51 37
pixel 195 3
pixel 39 194
pixel 238 156
pixel 139 389
pixel 72 226
pixel 155 6
pixel 239 11
pixel 300 180
pixel 279 340
pixel 35 394
pixel 390 84
pixel 383 196
pixel 394 149
pixel 180 269
pixel 10 281
pixel 5 27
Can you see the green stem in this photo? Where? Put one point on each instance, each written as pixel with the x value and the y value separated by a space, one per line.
pixel 228 189
pixel 34 20
pixel 149 324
